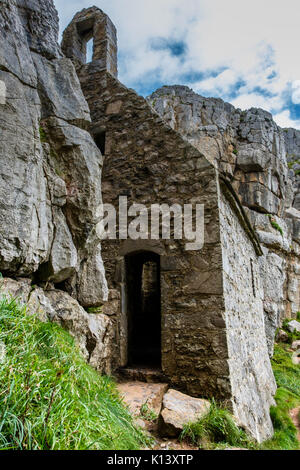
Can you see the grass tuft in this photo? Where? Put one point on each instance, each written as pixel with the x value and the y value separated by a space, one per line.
pixel 43 135
pixel 275 225
pixel 287 397
pixel 215 429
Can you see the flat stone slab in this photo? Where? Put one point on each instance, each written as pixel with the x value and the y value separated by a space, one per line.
pixel 137 394
pixel 179 410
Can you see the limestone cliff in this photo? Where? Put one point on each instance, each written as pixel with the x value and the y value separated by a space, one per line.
pixel 50 178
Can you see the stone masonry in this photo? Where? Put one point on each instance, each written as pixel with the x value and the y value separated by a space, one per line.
pixel 72 134
pixel 212 317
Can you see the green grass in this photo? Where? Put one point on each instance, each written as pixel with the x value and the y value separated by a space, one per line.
pixel 275 225
pixel 287 397
pixel 147 413
pixel 94 310
pixel 43 135
pixel 218 429
pixel 49 397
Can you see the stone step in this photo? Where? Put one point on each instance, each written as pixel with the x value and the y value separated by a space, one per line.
pixel 141 374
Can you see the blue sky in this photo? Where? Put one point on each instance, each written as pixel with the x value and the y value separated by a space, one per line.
pixel 243 52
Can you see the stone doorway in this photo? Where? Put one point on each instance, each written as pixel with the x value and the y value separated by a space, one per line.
pixel 143 309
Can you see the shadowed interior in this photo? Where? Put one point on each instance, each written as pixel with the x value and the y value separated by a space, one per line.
pixel 143 307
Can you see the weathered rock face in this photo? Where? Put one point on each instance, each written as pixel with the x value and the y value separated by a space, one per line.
pixel 247 146
pixel 252 152
pixel 94 334
pixel 292 142
pixel 50 178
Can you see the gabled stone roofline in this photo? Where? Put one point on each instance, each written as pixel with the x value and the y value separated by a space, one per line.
pixel 84 72
pixel 238 209
pixel 225 185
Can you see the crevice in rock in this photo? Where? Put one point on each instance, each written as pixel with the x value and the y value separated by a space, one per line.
pixel 91 344
pixel 5 69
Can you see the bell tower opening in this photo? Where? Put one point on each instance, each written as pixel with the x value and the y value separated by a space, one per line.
pixel 89 50
pixel 143 309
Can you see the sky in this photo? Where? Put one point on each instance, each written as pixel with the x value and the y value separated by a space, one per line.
pixel 243 52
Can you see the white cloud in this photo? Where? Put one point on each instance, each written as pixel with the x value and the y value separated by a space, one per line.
pixel 283 119
pixel 296 92
pixel 253 44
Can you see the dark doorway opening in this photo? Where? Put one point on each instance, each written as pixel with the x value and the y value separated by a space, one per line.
pixel 143 309
pixel 100 141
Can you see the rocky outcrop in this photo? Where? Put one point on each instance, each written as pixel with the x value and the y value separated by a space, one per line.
pixel 292 142
pixel 260 159
pixel 93 333
pixel 247 146
pixel 211 301
pixel 50 178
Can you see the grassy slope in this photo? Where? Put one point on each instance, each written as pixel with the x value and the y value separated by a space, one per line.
pixel 49 397
pixel 287 397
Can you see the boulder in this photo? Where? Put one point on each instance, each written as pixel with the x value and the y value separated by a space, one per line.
pixel 93 333
pixel 282 337
pixel 18 289
pixel 179 410
pixel 295 345
pixel 294 326
pixel 38 305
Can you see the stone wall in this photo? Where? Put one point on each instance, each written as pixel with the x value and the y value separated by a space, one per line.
pixel 251 377
pixel 149 163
